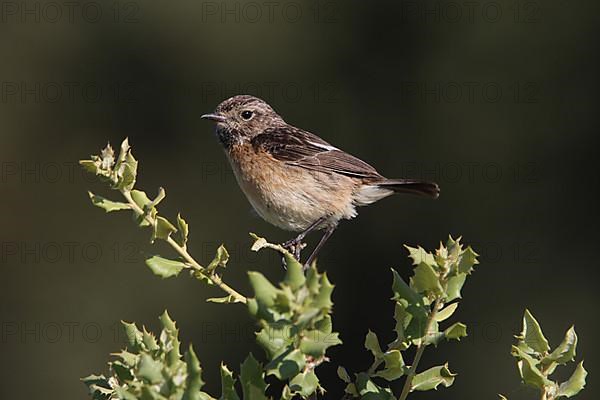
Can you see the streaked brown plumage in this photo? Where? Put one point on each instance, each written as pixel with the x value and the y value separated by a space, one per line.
pixel 293 178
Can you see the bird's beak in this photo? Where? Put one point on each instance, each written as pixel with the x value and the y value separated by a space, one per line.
pixel 214 117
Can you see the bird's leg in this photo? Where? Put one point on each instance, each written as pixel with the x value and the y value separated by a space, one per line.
pixel 328 232
pixel 295 245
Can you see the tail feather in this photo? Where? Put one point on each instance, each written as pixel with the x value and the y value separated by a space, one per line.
pixel 412 186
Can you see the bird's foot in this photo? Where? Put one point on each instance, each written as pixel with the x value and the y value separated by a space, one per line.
pixel 294 246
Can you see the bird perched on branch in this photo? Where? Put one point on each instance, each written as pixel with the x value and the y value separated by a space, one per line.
pixel 294 179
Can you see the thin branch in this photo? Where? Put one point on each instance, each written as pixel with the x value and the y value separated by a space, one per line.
pixel 212 276
pixel 420 349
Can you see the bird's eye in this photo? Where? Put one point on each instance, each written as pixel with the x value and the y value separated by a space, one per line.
pixel 247 114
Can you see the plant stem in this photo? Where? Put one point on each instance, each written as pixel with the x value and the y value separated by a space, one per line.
pixel 420 349
pixel 212 276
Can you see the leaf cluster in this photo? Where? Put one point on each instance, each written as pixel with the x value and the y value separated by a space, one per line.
pixel 421 306
pixel 536 361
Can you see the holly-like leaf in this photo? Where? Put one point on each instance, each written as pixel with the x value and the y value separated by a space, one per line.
pixel 432 378
pixel 420 255
pixel 134 336
pixel 264 291
pixel 305 383
pixel 315 343
pixel 162 229
pixel 532 334
pixel 530 373
pixel 446 312
pixel 220 260
pixel 164 267
pixel 372 344
pixel 194 380
pixel 287 365
pixel 98 387
pixel 343 374
pixel 252 379
pixel 426 280
pixel 294 275
pixel 468 259
pixel 366 389
pixel 394 366
pixel 455 284
pixel 565 351
pixel 575 384
pixel 149 370
pixel 456 331
pixel 227 385
pixel 108 205
pixel 182 231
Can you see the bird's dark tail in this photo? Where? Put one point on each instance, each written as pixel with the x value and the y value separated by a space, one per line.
pixel 411 186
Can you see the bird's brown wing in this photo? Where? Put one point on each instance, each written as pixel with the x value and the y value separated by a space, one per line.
pixel 303 149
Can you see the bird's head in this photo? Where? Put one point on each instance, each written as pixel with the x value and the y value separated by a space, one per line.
pixel 240 118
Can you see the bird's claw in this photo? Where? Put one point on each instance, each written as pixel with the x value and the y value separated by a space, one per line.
pixel 294 246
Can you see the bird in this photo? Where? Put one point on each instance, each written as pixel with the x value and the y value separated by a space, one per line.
pixel 294 179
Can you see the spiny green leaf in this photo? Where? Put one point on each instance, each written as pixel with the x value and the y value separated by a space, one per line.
pixel 126 169
pixel 446 312
pixel 468 259
pixel 455 284
pixel 167 323
pixel 164 267
pixel 149 369
pixel 420 255
pixel 565 351
pixel 264 291
pixel 162 229
pixel 456 331
pixel 107 205
pixel 98 386
pixel 403 291
pixel 323 298
pixel 369 390
pixel 275 339
pixel 372 344
pixel 532 334
pixel 305 383
pixel 129 359
pixel 227 385
pixel 194 380
pixel 149 340
pixel 575 384
pixel 530 373
pixel 315 343
pixel 287 365
pixel 182 231
pixel 343 374
pixel 122 371
pixel 220 260
pixel 140 198
pixel 252 379
pixel 394 366
pixel 133 335
pixel 294 276
pixel 432 378
pixel 426 280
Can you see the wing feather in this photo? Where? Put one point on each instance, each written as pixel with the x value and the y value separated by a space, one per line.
pixel 304 149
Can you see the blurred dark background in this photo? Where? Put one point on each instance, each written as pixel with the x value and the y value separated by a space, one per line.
pixel 496 101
